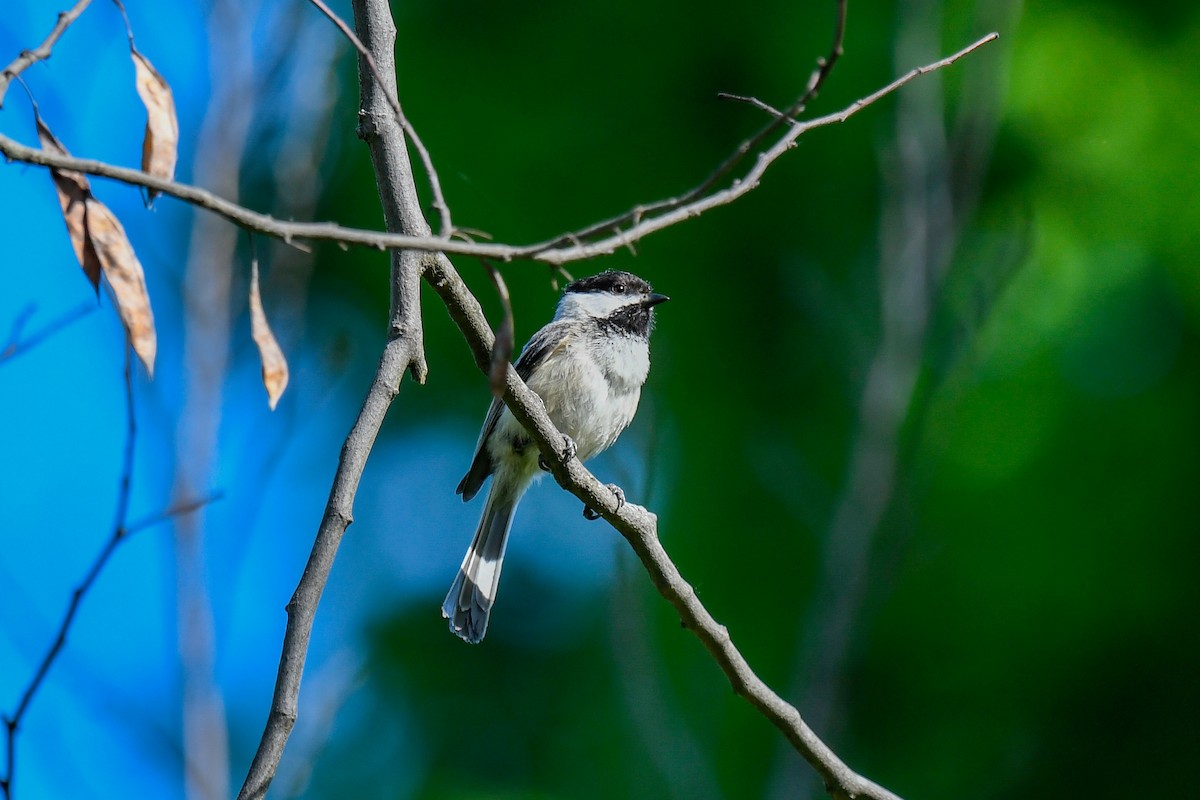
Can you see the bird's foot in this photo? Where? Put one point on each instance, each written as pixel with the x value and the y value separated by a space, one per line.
pixel 568 452
pixel 591 513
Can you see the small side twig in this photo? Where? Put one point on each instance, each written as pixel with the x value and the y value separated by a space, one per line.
pixel 17 345
pixel 28 58
pixel 502 348
pixel 176 509
pixel 815 81
pixel 435 184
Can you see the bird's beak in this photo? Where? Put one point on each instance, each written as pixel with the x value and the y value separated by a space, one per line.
pixel 654 299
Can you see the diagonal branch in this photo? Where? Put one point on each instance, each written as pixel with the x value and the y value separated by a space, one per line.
pixel 640 529
pixel 28 58
pixel 559 250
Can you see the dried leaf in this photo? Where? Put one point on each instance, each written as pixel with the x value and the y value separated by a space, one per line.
pixel 124 273
pixel 274 365
pixel 160 147
pixel 73 192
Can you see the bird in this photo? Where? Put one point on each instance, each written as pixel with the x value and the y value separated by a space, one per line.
pixel 588 365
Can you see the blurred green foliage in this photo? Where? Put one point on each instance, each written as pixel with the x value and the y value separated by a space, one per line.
pixel 1027 627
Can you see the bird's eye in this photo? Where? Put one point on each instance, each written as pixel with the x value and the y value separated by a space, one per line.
pixel 619 288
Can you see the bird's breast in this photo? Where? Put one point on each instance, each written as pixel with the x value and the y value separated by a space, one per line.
pixel 592 394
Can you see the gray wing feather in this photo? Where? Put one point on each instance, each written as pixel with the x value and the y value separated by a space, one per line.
pixel 543 343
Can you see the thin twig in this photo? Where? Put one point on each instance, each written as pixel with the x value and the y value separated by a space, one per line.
pixel 16 345
pixel 815 81
pixel 128 27
pixel 756 103
pixel 176 509
pixel 435 185
pixel 824 65
pixel 551 251
pixel 28 58
pixel 13 722
pixel 18 326
pixel 502 348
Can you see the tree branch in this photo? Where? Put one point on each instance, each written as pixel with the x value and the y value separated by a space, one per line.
pixel 28 58
pixel 647 219
pixel 403 351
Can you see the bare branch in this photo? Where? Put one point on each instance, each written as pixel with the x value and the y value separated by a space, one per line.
pixel 556 251
pixel 40 53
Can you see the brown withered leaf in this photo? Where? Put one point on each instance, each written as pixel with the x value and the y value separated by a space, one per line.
pixel 73 192
pixel 124 273
pixel 160 146
pixel 274 365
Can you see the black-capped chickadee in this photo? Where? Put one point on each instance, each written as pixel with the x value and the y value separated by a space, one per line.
pixel 588 366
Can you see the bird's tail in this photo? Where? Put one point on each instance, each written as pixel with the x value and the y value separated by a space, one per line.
pixel 469 602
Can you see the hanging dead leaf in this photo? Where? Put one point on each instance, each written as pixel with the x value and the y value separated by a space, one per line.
pixel 274 365
pixel 161 142
pixel 73 192
pixel 124 273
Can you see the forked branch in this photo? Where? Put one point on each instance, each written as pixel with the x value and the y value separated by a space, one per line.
pixel 575 246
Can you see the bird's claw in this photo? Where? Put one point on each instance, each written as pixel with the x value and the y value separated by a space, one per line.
pixel 591 513
pixel 568 452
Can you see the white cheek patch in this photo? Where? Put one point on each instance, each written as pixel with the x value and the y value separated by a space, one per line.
pixel 592 304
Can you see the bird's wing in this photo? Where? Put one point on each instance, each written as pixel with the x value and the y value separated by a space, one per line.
pixel 550 338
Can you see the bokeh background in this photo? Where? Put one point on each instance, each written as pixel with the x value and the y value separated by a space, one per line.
pixel 921 429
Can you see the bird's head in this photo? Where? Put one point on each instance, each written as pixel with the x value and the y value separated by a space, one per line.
pixel 620 300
